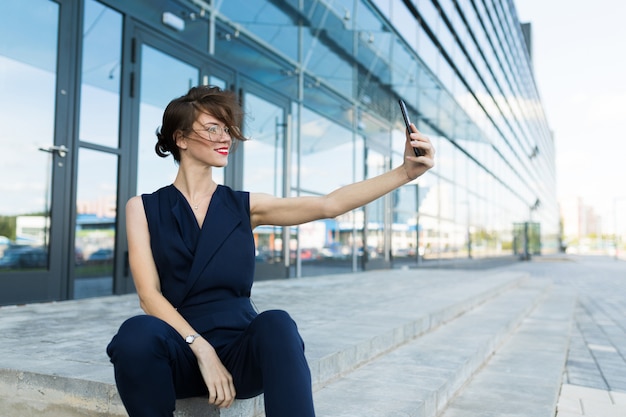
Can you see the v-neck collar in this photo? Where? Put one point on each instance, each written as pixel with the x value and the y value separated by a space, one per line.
pixel 190 209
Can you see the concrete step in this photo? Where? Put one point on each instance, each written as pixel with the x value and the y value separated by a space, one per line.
pixel 524 377
pixel 346 321
pixel 361 318
pixel 420 377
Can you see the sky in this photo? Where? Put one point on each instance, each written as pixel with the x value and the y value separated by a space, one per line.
pixel 579 58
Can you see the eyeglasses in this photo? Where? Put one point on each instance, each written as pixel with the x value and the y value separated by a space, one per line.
pixel 216 133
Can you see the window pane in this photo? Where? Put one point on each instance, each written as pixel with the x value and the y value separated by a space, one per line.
pixel 324 144
pixel 96 213
pixel 100 89
pixel 263 153
pixel 267 21
pixel 263 167
pixel 154 172
pixel 327 246
pixel 376 165
pixel 28 56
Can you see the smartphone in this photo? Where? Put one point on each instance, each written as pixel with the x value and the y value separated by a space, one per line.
pixel 407 122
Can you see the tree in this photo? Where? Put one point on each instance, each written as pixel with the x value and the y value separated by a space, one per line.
pixel 7 226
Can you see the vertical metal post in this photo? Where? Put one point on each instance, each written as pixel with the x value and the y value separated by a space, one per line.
pixel 469 231
pixel 388 216
pixel 355 127
pixel 300 71
pixel 355 139
pixel 417 225
pixel 287 126
pixel 212 31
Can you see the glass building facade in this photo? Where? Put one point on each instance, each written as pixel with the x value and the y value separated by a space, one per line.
pixel 84 83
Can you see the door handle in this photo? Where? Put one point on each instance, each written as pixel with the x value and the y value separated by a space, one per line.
pixel 59 150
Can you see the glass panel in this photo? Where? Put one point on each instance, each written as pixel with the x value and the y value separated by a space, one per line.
pixel 239 51
pixel 462 212
pixel 376 165
pixel 403 72
pixel 404 224
pixel 218 82
pixel 428 236
pixel 100 89
pixel 378 137
pixel 263 166
pixel 152 171
pixel 263 153
pixel 267 21
pixel 28 56
pixel 404 238
pixel 96 205
pixel 324 144
pixel 325 62
pixel 427 50
pixel 428 195
pixel 327 245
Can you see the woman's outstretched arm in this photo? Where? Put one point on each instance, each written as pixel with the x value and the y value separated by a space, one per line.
pixel 269 210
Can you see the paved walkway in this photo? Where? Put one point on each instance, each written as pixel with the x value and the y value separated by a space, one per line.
pixel 594 383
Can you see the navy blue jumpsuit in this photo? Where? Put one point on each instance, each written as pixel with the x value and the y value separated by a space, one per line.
pixel 207 274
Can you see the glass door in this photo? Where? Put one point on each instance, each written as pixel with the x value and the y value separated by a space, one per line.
pixel 264 161
pixel 122 102
pixel 98 154
pixel 162 70
pixel 165 71
pixel 154 172
pixel 117 159
pixel 35 149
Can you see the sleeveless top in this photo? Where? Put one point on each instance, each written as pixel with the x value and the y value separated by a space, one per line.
pixel 205 272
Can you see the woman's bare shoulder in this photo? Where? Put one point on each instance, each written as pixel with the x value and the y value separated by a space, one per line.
pixel 134 204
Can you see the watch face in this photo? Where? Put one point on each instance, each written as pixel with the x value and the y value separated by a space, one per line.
pixel 190 339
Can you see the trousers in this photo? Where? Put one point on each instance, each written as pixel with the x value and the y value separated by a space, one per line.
pixel 154 366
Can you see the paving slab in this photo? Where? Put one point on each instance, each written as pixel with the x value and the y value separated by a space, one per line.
pixel 523 378
pixel 583 401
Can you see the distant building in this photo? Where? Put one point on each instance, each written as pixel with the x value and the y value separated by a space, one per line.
pixel 579 219
pixel 85 83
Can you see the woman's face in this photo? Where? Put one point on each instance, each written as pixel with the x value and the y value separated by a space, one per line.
pixel 209 141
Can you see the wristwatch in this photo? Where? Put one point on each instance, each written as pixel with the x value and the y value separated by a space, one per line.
pixel 189 339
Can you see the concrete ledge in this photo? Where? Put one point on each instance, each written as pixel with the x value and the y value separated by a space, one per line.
pixel 26 394
pixel 196 407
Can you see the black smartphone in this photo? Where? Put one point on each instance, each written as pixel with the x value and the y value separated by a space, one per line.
pixel 407 122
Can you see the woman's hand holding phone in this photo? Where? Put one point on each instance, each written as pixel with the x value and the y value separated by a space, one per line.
pixel 407 123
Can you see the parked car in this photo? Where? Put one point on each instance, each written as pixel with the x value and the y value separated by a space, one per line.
pixel 21 257
pixel 101 256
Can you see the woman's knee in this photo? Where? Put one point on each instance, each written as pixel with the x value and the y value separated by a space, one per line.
pixel 276 320
pixel 277 328
pixel 138 338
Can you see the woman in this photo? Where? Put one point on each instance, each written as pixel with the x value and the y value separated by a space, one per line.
pixel 192 255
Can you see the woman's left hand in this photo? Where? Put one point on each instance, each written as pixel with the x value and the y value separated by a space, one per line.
pixel 417 165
